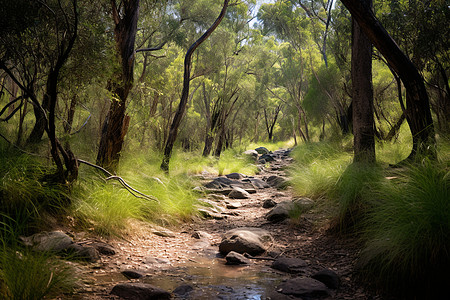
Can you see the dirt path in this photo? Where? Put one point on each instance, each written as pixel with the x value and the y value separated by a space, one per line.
pixel 169 259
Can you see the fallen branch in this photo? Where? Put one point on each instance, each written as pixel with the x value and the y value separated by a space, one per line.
pixel 126 186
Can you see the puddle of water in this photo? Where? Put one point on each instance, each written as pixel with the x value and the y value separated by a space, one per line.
pixel 212 279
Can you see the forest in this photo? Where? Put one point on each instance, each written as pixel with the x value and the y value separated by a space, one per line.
pixel 115 114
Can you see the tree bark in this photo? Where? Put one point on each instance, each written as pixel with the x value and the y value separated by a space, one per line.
pixel 418 112
pixel 185 93
pixel 116 122
pixel 362 90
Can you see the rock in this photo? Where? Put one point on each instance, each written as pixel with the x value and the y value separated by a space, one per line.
pixel 209 214
pixel 87 253
pixel 251 240
pixel 280 212
pixel 269 203
pixel 258 183
pixel 261 161
pixel 232 204
pixel 277 182
pixel 303 203
pixel 54 241
pixel 251 153
pixel 236 176
pixel 289 265
pixel 183 290
pixel 217 197
pixel 262 150
pixel 104 248
pixel 267 158
pixel 219 183
pixel 164 233
pixel 132 274
pixel 238 193
pixel 234 258
pixel 201 235
pixel 139 291
pixel 307 288
pixel 329 278
pixel 156 261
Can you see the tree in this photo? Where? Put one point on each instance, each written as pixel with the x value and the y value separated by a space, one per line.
pixel 63 19
pixel 362 95
pixel 418 112
pixel 125 16
pixel 185 93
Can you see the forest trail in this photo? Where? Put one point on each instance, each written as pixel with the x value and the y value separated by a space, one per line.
pixel 187 260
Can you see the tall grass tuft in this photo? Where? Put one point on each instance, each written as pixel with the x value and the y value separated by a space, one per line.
pixel 25 274
pixel 351 192
pixel 408 233
pixel 317 168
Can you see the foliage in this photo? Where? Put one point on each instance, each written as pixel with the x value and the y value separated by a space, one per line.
pixel 25 274
pixel 408 231
pixel 26 188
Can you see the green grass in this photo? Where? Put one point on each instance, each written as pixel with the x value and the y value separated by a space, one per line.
pixel 26 274
pixel 317 169
pixel 107 208
pixel 408 232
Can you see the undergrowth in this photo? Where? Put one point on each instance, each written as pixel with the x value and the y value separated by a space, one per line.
pixel 408 233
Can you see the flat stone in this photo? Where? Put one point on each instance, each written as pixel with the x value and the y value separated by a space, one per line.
pixel 307 288
pixel 232 205
pixel 132 274
pixel 164 233
pixel 238 193
pixel 251 240
pixel 277 182
pixel 208 214
pixel 139 291
pixel 234 258
pixel 54 241
pixel 258 183
pixel 183 290
pixel 329 278
pixel 104 248
pixel 236 176
pixel 289 265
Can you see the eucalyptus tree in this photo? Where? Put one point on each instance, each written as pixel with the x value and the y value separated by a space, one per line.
pixel 43 49
pixel 418 112
pixel 185 93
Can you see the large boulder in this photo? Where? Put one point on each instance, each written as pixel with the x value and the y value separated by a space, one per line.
pixel 306 288
pixel 139 291
pixel 251 240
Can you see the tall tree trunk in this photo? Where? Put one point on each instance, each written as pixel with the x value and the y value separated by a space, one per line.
pixel 362 98
pixel 185 93
pixel 116 123
pixel 418 112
